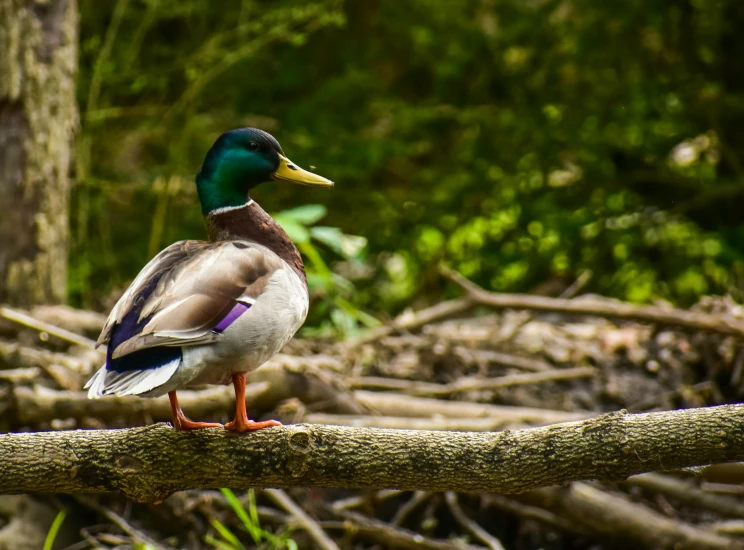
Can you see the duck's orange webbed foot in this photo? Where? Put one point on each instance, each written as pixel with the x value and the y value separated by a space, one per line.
pixel 242 423
pixel 180 422
pixel 185 424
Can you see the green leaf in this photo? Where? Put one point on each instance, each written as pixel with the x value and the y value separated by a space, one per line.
pixel 316 259
pixel 220 545
pixel 253 529
pixel 330 236
pixel 352 245
pixel 54 529
pixel 344 322
pixel 307 214
pixel 296 231
pixel 348 246
pixel 253 511
pixel 226 534
pixel 365 318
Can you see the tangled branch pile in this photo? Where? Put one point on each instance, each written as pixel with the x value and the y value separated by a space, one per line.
pixel 457 366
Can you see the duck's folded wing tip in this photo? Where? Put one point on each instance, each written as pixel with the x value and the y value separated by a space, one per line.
pixel 130 382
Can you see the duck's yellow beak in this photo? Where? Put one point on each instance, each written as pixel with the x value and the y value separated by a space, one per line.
pixel 289 171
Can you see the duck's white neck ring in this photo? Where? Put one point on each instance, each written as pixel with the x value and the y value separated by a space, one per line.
pixel 230 208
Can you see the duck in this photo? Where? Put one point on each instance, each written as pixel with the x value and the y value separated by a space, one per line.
pixel 210 312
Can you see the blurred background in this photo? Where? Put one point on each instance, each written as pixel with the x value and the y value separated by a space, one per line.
pixel 551 147
pixel 523 143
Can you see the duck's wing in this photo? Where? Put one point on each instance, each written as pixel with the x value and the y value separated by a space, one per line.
pixel 186 294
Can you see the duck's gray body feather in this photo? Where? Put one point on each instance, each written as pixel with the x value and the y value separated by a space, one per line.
pixel 196 285
pixel 250 341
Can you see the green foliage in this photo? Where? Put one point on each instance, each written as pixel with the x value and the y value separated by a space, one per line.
pixel 249 521
pixel 341 317
pixel 520 142
pixel 54 529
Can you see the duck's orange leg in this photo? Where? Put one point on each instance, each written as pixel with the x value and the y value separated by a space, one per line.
pixel 180 422
pixel 242 423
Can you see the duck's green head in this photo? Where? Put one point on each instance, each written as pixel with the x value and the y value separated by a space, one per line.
pixel 241 159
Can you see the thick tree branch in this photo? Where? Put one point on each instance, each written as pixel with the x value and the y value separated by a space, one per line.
pixel 694 320
pixel 150 463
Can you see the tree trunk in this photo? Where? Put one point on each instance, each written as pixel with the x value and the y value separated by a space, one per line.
pixel 38 115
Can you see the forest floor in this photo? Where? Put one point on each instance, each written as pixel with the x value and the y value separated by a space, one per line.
pixel 457 366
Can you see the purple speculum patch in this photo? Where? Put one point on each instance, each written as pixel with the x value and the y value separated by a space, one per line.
pixel 238 309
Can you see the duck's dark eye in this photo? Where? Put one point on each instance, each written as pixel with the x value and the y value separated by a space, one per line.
pixel 253 146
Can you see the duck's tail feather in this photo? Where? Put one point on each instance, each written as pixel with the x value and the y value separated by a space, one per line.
pixel 130 382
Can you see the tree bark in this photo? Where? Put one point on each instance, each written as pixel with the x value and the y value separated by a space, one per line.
pixel 38 115
pixel 148 464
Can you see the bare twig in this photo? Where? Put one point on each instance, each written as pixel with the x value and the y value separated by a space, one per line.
pixel 27 356
pixel 411 321
pixel 612 515
pixel 514 507
pixel 397 404
pixel 417 498
pixel 603 308
pixel 730 528
pixel 686 492
pixel 394 537
pixel 69 318
pixel 360 500
pixel 306 522
pixel 581 281
pixel 504 359
pixel 471 384
pixel 476 530
pixel 28 321
pixel 17 376
pixel 137 536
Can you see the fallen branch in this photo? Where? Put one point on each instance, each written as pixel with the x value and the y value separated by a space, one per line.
pixel 356 524
pixel 470 525
pixel 411 320
pixel 70 318
pixel 37 405
pixel 30 322
pixel 18 376
pixel 270 386
pixel 416 500
pixel 148 464
pixel 688 493
pixel 512 506
pixel 26 356
pixel 140 538
pixel 306 522
pixel 397 404
pixel 33 406
pixel 471 384
pixel 612 515
pixel 602 308
pixel 503 359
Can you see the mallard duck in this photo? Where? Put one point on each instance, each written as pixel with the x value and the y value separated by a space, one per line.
pixel 208 312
